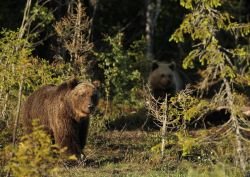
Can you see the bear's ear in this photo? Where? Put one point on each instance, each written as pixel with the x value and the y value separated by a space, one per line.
pixel 172 65
pixel 70 84
pixel 96 83
pixel 154 66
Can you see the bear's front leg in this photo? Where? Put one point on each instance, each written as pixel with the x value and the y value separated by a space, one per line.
pixel 70 140
pixel 83 132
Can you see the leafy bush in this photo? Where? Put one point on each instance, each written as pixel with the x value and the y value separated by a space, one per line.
pixel 120 72
pixel 121 69
pixel 17 65
pixel 35 155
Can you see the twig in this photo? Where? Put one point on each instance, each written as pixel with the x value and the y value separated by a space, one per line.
pixel 18 109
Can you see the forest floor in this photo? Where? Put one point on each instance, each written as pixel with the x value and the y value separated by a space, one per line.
pixel 120 153
pixel 130 147
pixel 135 153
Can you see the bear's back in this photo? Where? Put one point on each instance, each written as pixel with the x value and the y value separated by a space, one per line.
pixel 36 105
pixel 40 95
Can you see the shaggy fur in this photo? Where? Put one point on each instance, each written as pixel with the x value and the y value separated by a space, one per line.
pixel 64 111
pixel 164 79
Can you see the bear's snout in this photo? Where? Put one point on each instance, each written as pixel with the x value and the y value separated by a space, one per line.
pixel 91 106
pixel 166 81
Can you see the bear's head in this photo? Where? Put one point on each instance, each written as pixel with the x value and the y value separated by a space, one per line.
pixel 162 75
pixel 82 99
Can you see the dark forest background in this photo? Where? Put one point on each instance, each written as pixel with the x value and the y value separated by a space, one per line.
pixel 129 17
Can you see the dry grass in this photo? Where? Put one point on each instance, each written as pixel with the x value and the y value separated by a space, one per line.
pixel 129 153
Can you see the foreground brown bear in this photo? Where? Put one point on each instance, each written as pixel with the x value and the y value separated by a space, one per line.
pixel 64 111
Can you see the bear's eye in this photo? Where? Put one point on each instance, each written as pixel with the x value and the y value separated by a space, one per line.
pixel 82 95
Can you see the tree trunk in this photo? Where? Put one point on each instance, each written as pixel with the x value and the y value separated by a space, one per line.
pixel 152 13
pixel 25 17
pixel 70 9
pixel 77 36
pixel 5 106
pixel 164 127
pixel 94 5
pixel 149 30
pixel 241 161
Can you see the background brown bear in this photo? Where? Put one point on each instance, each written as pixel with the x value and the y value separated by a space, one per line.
pixel 164 79
pixel 64 111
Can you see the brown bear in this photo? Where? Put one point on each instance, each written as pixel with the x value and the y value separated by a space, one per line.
pixel 164 79
pixel 64 111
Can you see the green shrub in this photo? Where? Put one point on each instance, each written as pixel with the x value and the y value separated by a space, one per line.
pixel 121 70
pixel 35 155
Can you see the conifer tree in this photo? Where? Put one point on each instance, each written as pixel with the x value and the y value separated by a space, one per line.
pixel 220 65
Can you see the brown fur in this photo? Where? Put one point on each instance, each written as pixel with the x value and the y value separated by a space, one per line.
pixel 64 111
pixel 164 79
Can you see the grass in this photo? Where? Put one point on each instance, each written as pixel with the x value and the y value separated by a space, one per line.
pixel 129 154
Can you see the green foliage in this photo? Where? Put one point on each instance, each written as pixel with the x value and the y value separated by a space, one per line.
pixel 41 13
pixel 218 170
pixel 219 64
pixel 202 25
pixel 35 155
pixel 192 4
pixel 187 106
pixel 183 108
pixel 187 143
pixel 17 64
pixel 120 67
pixel 36 19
